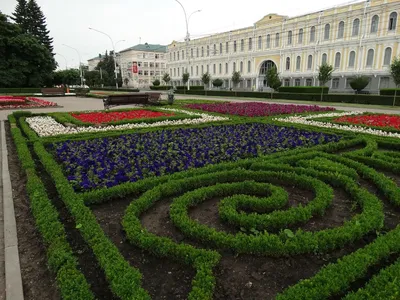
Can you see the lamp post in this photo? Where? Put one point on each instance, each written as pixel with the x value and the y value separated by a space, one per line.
pixel 66 63
pixel 187 38
pixel 80 64
pixel 115 55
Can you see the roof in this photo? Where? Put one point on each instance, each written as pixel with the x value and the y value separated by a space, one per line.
pixel 95 58
pixel 147 47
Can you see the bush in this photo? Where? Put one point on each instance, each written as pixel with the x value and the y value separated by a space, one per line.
pixel 359 83
pixel 160 88
pixel 217 82
pixel 19 90
pixel 114 89
pixel 156 82
pixel 304 89
pixel 389 92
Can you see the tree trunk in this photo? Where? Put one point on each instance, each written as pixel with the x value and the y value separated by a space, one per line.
pixel 322 93
pixel 395 95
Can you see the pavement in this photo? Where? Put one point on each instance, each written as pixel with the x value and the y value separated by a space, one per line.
pixel 10 276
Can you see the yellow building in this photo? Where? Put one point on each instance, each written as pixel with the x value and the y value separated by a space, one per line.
pixel 357 39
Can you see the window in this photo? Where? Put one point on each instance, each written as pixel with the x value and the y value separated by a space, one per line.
pixel 197 52
pixel 335 83
pixel 308 82
pixel 388 56
pixel 197 70
pixel 297 82
pixel 226 47
pixel 220 69
pixel 234 67
pixel 208 50
pixel 289 38
pixel 242 45
pixel 215 49
pixel 300 38
pixel 226 68
pixel 202 52
pixel 298 63
pixel 174 72
pixel 340 32
pixel 356 27
pixel 183 54
pixel 241 67
pixel 370 58
pixel 309 62
pixel 268 41
pixel 287 63
pixel 287 82
pixel 191 53
pixel 259 42
pixel 250 44
pixel 234 46
pixel 220 48
pixel 327 32
pixel 337 60
pixel 178 72
pixel 324 58
pixel 214 69
pixel 352 59
pixel 202 69
pixel 392 21
pixel 249 67
pixel 191 71
pixel 312 34
pixel 348 81
pixel 384 83
pixel 374 24
pixel 277 40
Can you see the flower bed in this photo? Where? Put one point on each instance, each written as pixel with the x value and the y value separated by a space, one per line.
pixel 106 117
pixel 11 102
pixel 108 162
pixel 47 126
pixel 257 109
pixel 384 121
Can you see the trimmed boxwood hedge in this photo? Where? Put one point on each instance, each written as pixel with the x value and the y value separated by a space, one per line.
pixel 303 89
pixel 389 92
pixel 114 89
pixel 20 90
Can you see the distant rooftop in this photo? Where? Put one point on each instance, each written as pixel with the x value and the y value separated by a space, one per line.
pixel 147 47
pixel 95 58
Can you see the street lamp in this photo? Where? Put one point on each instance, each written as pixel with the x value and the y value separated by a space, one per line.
pixel 187 38
pixel 80 65
pixel 115 55
pixel 66 64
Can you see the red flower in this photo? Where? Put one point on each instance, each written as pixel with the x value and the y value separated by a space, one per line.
pixel 11 102
pixel 106 117
pixel 387 121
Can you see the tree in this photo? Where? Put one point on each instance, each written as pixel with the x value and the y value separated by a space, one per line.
pixel 70 77
pixel 395 72
pixel 24 61
pixel 185 77
pixel 156 82
pixel 359 83
pixel 235 78
pixel 273 80
pixel 107 65
pixel 205 78
pixel 217 82
pixel 20 15
pixel 324 75
pixel 166 78
pixel 93 78
pixel 126 81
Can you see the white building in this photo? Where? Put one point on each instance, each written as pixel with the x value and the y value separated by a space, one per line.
pixel 357 39
pixel 92 63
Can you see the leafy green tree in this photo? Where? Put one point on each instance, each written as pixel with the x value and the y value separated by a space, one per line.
pixel 324 75
pixel 395 72
pixel 185 77
pixel 205 78
pixel 236 78
pixel 156 82
pixel 24 61
pixel 273 80
pixel 166 78
pixel 359 83
pixel 107 65
pixel 93 78
pixel 217 82
pixel 70 77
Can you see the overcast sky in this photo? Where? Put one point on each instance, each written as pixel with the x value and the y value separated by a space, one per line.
pixel 151 21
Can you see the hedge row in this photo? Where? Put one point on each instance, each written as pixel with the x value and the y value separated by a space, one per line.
pixel 389 92
pixel 178 87
pixel 70 280
pixel 304 89
pixel 339 98
pixel 114 89
pixel 20 90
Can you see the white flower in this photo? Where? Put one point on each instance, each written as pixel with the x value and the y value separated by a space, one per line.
pixel 47 126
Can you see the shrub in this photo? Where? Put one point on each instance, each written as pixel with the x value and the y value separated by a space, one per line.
pixel 156 82
pixel 359 83
pixel 217 82
pixel 304 89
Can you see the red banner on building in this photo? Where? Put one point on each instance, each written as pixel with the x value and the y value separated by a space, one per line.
pixel 134 67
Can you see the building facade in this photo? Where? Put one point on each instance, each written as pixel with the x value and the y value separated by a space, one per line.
pixel 356 39
pixel 92 63
pixel 142 64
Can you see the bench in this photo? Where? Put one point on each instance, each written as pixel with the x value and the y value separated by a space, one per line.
pixel 125 99
pixel 154 97
pixel 52 91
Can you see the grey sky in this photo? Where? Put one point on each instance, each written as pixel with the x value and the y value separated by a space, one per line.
pixel 154 21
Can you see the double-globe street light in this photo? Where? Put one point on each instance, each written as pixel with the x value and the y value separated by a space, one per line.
pixel 187 38
pixel 114 54
pixel 80 64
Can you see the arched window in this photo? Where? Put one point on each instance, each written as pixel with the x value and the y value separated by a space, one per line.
pixel 202 51
pixel 340 33
pixel 259 42
pixel 298 63
pixel 183 54
pixel 312 34
pixel 220 48
pixel 208 50
pixel 177 54
pixel 324 58
pixel 250 43
pixel 234 67
pixel 300 40
pixel 287 63
pixel 392 21
pixel 234 46
pixel 220 69
pixel 356 27
pixel 277 40
pixel 337 60
pixel 226 68
pixel 197 70
pixel 388 56
pixel 309 62
pixel 268 41
pixel 374 24
pixel 352 59
pixel 327 32
pixel 249 67
pixel 214 69
pixel 370 57
pixel 191 52
pixel 241 67
pixel 241 45
pixel 289 39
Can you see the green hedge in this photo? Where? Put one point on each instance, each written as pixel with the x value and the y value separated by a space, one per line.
pixel 160 88
pixel 115 90
pixel 20 90
pixel 304 89
pixel 389 92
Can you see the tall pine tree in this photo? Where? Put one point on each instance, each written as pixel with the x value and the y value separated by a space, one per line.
pixel 20 16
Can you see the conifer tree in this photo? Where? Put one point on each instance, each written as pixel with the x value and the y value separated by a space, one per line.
pixel 20 16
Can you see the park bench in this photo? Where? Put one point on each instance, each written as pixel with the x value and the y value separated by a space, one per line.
pixel 154 97
pixel 125 99
pixel 52 91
